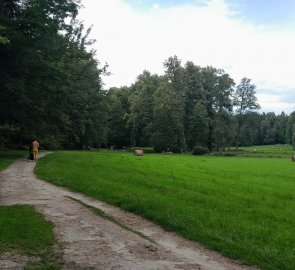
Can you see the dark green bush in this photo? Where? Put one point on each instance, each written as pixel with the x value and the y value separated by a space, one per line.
pixel 200 150
pixel 50 143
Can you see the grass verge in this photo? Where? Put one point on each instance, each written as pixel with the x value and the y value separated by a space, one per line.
pixel 243 207
pixel 25 231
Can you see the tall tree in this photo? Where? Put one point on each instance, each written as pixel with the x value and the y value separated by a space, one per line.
pixel 250 131
pixel 244 100
pixel 196 121
pixel 223 132
pixel 119 133
pixel 47 74
pixel 198 126
pixel 165 127
pixel 175 76
pixel 291 129
pixel 141 101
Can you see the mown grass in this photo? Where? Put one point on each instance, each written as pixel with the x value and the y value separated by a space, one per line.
pixel 25 231
pixel 7 157
pixel 243 207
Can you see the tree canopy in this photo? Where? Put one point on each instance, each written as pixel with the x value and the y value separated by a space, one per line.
pixel 51 85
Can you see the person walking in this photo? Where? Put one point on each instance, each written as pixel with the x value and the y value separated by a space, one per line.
pixel 35 146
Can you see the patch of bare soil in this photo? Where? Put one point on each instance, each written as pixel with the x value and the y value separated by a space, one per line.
pixel 15 261
pixel 93 242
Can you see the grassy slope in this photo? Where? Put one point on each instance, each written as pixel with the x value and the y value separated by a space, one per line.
pixel 25 230
pixel 243 207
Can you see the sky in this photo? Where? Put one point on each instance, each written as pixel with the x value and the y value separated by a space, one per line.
pixel 245 38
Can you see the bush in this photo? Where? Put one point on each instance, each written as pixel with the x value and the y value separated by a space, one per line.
pixel 50 143
pixel 200 150
pixel 3 143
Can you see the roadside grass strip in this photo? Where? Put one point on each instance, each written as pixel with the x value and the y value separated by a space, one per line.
pixel 242 207
pixel 25 231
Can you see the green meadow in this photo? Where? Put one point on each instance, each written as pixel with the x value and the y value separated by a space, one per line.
pixel 242 207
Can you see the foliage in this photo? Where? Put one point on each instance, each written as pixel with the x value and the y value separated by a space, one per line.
pixel 232 204
pixel 118 131
pixel 245 101
pixel 50 84
pixel 200 150
pixel 176 111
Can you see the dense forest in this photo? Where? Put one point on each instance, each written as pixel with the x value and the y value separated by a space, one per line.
pixel 51 89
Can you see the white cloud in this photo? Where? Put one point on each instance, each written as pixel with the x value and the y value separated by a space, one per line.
pixel 156 6
pixel 273 103
pixel 131 40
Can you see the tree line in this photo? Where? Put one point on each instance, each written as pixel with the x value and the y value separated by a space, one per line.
pixel 52 89
pixel 192 106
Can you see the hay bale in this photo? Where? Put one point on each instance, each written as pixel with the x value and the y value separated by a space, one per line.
pixel 138 153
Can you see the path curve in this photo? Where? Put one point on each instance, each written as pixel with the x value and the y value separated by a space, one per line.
pixel 92 242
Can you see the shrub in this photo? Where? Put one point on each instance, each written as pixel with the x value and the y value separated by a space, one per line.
pixel 50 143
pixel 200 150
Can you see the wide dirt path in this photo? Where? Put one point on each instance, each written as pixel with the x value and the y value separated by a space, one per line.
pixel 91 242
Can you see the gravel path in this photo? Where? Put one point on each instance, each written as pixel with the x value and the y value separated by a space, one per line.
pixel 92 242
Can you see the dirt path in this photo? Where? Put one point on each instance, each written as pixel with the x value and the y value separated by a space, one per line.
pixel 91 242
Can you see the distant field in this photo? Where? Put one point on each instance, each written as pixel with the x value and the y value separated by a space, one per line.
pixel 243 207
pixel 277 148
pixel 273 151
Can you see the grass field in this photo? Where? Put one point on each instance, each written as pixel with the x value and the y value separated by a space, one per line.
pixel 25 231
pixel 243 207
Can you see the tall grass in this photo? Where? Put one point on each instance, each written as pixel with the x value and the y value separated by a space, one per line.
pixel 243 207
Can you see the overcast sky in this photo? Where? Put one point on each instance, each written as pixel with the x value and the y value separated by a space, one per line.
pixel 246 38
